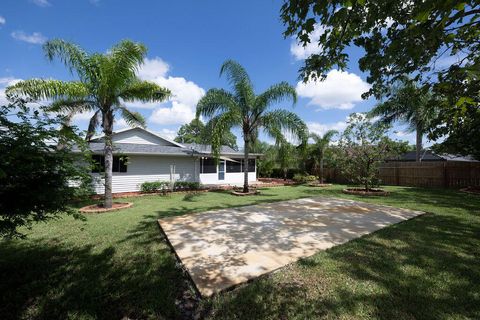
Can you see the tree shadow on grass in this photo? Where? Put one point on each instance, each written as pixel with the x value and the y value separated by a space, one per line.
pixel 47 280
pixel 424 268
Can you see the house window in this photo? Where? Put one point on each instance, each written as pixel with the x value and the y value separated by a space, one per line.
pixel 251 165
pixel 119 164
pixel 234 166
pixel 208 165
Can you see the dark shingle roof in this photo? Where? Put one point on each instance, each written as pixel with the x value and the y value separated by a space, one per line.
pixel 204 148
pixel 129 148
pixel 430 156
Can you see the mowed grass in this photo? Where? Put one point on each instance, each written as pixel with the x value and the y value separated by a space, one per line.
pixel 117 264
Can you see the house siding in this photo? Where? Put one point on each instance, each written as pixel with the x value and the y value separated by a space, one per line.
pixel 146 169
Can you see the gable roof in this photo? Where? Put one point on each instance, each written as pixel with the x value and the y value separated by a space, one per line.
pixel 155 134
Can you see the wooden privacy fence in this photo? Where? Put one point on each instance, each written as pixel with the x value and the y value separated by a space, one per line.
pixel 448 174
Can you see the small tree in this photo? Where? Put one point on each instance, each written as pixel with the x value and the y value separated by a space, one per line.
pixel 364 145
pixel 319 147
pixel 285 157
pixel 38 180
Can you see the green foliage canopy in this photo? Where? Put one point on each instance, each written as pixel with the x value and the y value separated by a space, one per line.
pixel 197 132
pixel 37 180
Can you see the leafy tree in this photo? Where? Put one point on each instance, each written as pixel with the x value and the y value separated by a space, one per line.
pixel 197 132
pixel 267 163
pixel 190 132
pixel 435 42
pixel 105 82
pixel 391 33
pixel 250 112
pixel 286 157
pixel 319 147
pixel 37 180
pixel 364 147
pixel 411 105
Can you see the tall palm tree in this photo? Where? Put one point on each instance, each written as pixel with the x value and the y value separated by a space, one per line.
pixel 320 144
pixel 408 104
pixel 250 112
pixel 106 82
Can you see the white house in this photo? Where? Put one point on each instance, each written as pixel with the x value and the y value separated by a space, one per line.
pixel 141 155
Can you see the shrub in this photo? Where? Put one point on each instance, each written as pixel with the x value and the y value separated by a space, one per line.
pixel 302 178
pixel 186 185
pixel 154 186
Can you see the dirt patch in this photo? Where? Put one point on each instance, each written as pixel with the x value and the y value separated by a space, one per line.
pixel 98 208
pixel 363 192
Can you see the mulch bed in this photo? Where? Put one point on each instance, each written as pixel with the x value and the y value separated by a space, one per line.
pixel 471 190
pixel 98 208
pixel 239 192
pixel 363 192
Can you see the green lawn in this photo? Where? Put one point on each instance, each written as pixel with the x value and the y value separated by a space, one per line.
pixel 116 264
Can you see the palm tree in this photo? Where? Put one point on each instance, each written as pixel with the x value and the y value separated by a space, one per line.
pixel 105 82
pixel 319 146
pixel 408 104
pixel 250 112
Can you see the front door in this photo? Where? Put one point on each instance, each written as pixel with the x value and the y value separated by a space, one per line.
pixel 221 170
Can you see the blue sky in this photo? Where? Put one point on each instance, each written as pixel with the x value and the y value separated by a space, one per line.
pixel 187 42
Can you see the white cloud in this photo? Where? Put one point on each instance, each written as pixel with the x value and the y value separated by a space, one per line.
pixel 168 133
pixel 301 52
pixel 180 108
pixel 34 38
pixel 178 113
pixel 84 116
pixel 4 83
pixel 321 129
pixel 153 68
pixel 42 3
pixel 2 20
pixel 340 90
pixel 120 123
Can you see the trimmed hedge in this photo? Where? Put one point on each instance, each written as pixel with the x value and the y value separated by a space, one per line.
pixel 186 185
pixel 155 186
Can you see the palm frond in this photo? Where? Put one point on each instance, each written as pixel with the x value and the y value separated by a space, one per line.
pixel 132 118
pixel 235 73
pixel 93 125
pixel 71 55
pixel 123 61
pixel 71 105
pixel 39 89
pixel 144 91
pixel 219 125
pixel 278 122
pixel 238 78
pixel 216 101
pixel 276 93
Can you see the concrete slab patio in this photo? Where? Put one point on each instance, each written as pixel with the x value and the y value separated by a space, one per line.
pixel 223 248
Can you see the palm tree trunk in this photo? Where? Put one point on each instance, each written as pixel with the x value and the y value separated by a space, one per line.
pixel 107 130
pixel 245 166
pixel 419 133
